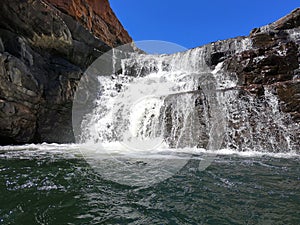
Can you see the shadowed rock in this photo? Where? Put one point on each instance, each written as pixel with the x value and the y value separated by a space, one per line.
pixel 44 48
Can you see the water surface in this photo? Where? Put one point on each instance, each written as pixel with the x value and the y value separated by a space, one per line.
pixel 54 185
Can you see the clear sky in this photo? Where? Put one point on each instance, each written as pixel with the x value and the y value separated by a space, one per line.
pixel 193 23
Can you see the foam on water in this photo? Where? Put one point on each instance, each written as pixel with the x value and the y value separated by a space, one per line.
pixel 116 148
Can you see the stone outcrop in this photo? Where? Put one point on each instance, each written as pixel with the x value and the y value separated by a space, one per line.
pixel 274 61
pixel 99 19
pixel 271 62
pixel 44 48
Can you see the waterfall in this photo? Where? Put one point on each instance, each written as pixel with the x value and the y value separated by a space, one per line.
pixel 179 101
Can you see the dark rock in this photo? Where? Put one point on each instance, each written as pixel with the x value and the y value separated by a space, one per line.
pixel 44 48
pixel 288 22
pixel 289 94
pixel 19 98
pixel 273 56
pixel 215 58
pixel 1 46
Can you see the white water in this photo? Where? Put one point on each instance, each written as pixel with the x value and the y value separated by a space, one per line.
pixel 155 107
pixel 177 101
pixel 72 151
pixel 117 163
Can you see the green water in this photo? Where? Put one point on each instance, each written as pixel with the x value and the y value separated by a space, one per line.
pixel 63 189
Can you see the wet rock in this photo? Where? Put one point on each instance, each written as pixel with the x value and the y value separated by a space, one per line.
pixel 289 94
pixel 273 60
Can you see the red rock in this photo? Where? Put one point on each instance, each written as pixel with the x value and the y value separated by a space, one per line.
pixel 97 17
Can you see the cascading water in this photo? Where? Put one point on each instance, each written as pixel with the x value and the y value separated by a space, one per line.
pixel 163 103
pixel 256 124
pixel 178 101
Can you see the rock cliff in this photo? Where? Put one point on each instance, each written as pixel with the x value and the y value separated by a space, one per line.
pixel 44 48
pixel 274 60
pixel 271 63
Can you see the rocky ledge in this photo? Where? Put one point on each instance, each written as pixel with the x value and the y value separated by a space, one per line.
pixel 45 45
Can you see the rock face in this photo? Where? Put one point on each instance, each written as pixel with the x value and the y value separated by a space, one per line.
pixel 96 17
pixel 273 61
pixel 44 48
pixel 270 65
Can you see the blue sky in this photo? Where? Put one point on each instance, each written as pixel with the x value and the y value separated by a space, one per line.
pixel 193 23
